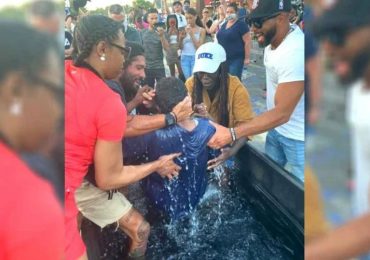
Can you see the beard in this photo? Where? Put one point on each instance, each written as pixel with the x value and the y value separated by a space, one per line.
pixel 269 35
pixel 129 86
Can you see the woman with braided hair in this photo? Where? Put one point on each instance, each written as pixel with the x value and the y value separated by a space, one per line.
pixel 95 121
pixel 219 95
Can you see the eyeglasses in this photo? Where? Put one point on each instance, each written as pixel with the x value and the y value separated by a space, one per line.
pixel 126 51
pixel 258 22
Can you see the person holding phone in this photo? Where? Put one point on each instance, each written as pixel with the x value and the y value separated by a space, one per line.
pixel 190 40
pixel 172 56
pixel 154 41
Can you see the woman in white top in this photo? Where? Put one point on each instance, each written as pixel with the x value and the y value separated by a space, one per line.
pixel 190 39
pixel 172 56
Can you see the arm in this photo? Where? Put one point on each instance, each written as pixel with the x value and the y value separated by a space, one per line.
pixel 140 124
pixel 226 153
pixel 165 44
pixel 350 240
pixel 202 38
pixel 313 68
pixel 110 173
pixel 214 26
pixel 247 47
pixel 286 98
pixel 166 7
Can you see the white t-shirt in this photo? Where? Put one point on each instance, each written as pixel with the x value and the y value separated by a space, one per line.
pixel 358 116
pixel 286 64
pixel 181 20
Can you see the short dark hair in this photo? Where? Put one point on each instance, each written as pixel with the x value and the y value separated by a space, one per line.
pixel 136 50
pixel 116 9
pixel 89 31
pixel 234 6
pixel 187 1
pixel 152 11
pixel 176 3
pixel 23 49
pixel 42 8
pixel 169 92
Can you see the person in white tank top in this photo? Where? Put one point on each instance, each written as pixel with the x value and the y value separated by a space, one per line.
pixel 190 39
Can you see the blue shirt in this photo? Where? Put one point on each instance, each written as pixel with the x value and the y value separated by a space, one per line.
pixel 232 39
pixel 177 197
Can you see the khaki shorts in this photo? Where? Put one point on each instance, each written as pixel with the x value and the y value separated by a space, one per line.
pixel 94 204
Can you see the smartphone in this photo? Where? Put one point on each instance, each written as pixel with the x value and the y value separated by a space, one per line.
pixel 159 24
pixel 182 28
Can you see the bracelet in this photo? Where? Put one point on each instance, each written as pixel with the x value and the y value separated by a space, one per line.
pixel 233 134
pixel 174 115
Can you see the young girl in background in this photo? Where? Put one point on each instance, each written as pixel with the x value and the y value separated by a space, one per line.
pixel 172 56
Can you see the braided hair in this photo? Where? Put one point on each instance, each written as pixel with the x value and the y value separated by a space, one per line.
pixel 90 30
pixel 223 79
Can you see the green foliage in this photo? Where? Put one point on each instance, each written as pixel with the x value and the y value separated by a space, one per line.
pixel 13 13
pixel 102 11
pixel 143 4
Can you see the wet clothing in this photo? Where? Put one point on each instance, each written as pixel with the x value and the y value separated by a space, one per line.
pixel 31 216
pixel 240 106
pixel 92 111
pixel 175 198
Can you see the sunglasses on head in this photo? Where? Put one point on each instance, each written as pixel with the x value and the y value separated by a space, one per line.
pixel 258 22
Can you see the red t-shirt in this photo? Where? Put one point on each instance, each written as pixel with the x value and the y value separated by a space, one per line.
pixel 92 111
pixel 31 218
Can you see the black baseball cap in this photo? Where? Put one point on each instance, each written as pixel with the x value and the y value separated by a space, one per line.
pixel 344 16
pixel 264 8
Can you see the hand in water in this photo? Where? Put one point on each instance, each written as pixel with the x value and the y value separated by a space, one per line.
pixel 167 167
pixel 225 154
pixel 221 138
pixel 183 109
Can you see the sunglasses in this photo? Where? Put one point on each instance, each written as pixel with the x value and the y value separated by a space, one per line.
pixel 126 51
pixel 258 22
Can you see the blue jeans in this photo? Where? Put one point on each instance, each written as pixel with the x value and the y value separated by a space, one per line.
pixel 187 65
pixel 236 67
pixel 284 150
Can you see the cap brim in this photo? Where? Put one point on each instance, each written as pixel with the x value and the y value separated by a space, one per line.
pixel 205 66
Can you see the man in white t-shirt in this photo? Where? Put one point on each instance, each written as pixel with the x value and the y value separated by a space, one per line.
pixel 284 61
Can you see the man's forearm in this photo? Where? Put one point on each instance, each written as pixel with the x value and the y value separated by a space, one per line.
pixel 348 241
pixel 262 123
pixel 140 124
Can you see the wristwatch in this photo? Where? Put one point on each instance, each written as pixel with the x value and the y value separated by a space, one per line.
pixel 170 119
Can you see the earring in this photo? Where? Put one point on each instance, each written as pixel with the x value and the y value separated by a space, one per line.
pixel 102 58
pixel 15 108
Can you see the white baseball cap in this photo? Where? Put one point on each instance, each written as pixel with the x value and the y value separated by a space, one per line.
pixel 208 57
